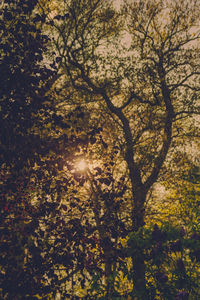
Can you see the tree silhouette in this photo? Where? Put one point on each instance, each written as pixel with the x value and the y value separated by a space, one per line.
pixel 148 87
pixel 117 88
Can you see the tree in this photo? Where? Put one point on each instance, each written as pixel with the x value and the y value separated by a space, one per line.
pixel 119 90
pixel 23 85
pixel 149 87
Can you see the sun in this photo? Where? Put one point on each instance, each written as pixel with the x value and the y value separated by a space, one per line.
pixel 81 165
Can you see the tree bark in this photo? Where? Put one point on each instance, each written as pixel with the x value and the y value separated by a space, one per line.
pixel 139 281
pixel 138 259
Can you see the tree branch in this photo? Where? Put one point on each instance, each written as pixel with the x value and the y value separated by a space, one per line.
pixel 174 86
pixel 137 97
pixel 167 134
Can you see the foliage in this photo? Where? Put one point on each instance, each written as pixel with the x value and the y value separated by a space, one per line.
pixel 172 261
pixel 79 93
pixel 170 256
pixel 23 76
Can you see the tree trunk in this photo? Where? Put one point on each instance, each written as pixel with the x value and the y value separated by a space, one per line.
pixel 138 261
pixel 109 280
pixel 139 280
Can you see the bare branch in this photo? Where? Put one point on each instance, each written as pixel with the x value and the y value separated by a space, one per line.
pixel 174 86
pixel 137 97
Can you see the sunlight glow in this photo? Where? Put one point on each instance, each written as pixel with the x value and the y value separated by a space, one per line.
pixel 81 165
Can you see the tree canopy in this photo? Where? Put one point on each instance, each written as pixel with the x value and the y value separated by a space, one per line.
pixel 99 105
